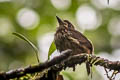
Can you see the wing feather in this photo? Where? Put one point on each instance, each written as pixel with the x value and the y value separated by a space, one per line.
pixel 83 41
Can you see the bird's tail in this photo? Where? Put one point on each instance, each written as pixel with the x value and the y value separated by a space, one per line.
pixel 88 68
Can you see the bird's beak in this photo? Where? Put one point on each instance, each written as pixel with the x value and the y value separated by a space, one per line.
pixel 59 21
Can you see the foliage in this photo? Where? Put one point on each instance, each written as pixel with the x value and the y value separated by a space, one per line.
pixel 16 53
pixel 51 49
pixel 29 42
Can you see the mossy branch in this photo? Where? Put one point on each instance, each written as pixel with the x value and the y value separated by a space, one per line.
pixel 63 61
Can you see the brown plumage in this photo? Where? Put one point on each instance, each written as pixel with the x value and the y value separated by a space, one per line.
pixel 66 37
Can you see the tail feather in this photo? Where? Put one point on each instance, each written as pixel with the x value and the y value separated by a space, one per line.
pixel 88 68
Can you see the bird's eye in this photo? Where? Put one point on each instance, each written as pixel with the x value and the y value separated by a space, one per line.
pixel 68 24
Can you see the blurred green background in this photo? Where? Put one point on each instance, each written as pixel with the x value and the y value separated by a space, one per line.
pixel 35 19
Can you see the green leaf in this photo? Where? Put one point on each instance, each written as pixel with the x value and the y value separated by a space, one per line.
pixel 68 75
pixel 51 49
pixel 29 42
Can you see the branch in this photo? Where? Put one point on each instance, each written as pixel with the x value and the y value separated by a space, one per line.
pixel 36 68
pixel 62 61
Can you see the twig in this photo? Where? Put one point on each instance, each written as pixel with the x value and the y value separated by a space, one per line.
pixel 108 1
pixel 107 74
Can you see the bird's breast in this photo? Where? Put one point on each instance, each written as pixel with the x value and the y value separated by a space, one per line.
pixel 61 41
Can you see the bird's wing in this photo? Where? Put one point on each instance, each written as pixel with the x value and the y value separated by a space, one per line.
pixel 80 39
pixel 79 36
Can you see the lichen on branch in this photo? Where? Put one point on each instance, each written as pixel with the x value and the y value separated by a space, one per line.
pixel 66 59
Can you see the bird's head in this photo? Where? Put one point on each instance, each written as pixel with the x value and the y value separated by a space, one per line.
pixel 64 23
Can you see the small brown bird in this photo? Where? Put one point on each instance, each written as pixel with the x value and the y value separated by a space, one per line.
pixel 66 37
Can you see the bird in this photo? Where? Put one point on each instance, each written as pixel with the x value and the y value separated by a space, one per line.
pixel 67 37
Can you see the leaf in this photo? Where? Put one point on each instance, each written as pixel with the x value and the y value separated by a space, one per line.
pixel 29 42
pixel 68 75
pixel 51 49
